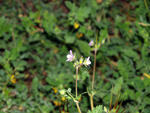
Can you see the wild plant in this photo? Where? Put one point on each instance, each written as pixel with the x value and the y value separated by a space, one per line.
pixel 71 57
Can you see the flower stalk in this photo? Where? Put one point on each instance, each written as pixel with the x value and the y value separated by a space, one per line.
pixel 96 47
pixel 77 104
pixel 94 69
pixel 91 102
pixel 76 81
pixel 91 95
pixel 77 63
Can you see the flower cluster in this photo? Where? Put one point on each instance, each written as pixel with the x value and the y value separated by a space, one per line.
pixel 97 45
pixel 71 57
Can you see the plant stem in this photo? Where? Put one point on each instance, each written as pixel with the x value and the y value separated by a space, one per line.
pixel 77 90
pixel 91 101
pixel 76 81
pixel 94 70
pixel 78 107
pixel 91 96
pixel 147 8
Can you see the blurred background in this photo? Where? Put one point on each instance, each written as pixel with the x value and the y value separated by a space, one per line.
pixel 36 36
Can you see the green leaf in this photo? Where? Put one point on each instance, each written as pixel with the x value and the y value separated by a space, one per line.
pixel 84 47
pixel 70 5
pixel 49 22
pixel 69 39
pixel 118 85
pixel 46 108
pixel 126 68
pixel 85 74
pixel 130 53
pixel 6 54
pixel 97 109
pixel 82 29
pixel 19 66
pixel 51 81
pixel 5 25
pixel 83 13
pixel 35 83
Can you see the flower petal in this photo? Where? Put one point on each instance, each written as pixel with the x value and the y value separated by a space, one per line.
pixel 71 53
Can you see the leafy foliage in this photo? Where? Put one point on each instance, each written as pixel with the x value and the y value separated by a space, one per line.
pixel 97 109
pixel 35 37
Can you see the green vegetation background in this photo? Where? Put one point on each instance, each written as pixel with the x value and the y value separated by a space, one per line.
pixel 36 36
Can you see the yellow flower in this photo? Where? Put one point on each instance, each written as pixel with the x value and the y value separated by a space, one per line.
pixel 57 103
pixel 76 25
pixel 54 89
pixel 13 79
pixel 63 98
pixel 145 74
pixel 79 35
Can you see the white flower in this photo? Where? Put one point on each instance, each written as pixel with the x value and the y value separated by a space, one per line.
pixel 70 57
pixel 87 62
pixel 91 43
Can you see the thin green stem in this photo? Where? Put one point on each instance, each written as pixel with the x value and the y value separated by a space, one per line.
pixel 70 95
pixel 78 107
pixel 77 90
pixel 146 4
pixel 94 70
pixel 91 96
pixel 147 8
pixel 76 81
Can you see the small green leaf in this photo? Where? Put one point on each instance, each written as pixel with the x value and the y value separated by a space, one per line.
pixel 35 83
pixel 70 5
pixel 69 39
pixel 84 47
pixel 97 109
